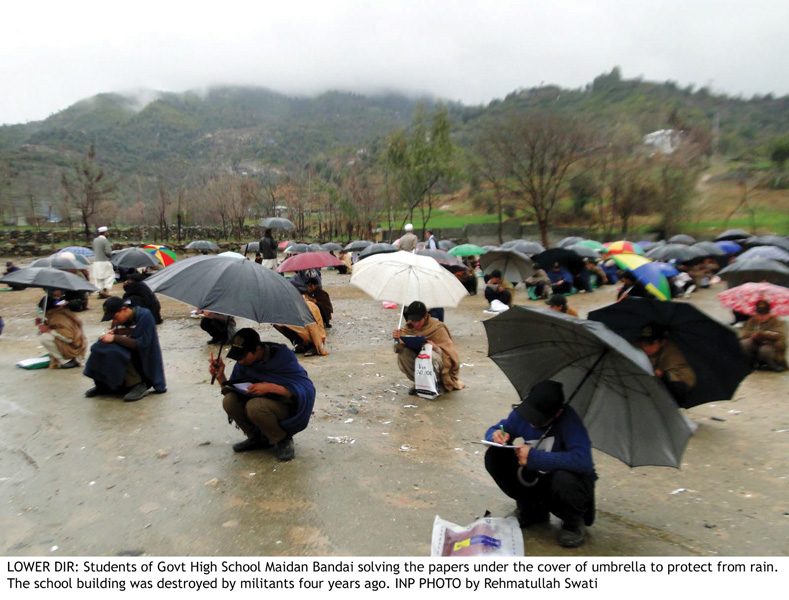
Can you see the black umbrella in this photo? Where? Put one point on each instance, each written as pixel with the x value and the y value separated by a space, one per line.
pixel 446 245
pixel 233 286
pixel 514 266
pixel 331 247
pixel 566 258
pixel 771 252
pixel 379 248
pixel 63 263
pixel 250 247
pixel 711 349
pixel 755 269
pixel 202 245
pixel 524 247
pixel 134 258
pixel 277 223
pixel 733 235
pixel 297 249
pixel 49 278
pixel 610 384
pixel 677 252
pixel 768 240
pixel 709 248
pixel 682 239
pixel 357 246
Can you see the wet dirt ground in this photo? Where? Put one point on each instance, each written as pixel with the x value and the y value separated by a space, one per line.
pixel 102 477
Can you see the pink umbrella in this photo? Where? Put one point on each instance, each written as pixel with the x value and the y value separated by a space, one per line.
pixel 308 260
pixel 743 298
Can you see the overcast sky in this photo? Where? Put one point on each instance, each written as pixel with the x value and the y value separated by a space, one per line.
pixel 53 54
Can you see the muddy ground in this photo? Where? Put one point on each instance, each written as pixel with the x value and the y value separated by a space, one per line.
pixel 99 477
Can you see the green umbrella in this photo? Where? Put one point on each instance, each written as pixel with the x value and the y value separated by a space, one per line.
pixel 467 250
pixel 593 244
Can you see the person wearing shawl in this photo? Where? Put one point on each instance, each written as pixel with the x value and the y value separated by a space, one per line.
pixel 127 358
pixel 140 294
pixel 446 363
pixel 309 340
pixel 763 339
pixel 62 336
pixel 269 395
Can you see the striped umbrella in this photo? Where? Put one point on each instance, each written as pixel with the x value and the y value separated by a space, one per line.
pixel 623 247
pixel 162 253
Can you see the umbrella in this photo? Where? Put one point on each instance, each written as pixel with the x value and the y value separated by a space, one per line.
pixel 86 252
pixel 231 254
pixel 623 246
pixel 202 245
pixel 563 256
pixel 331 247
pixel 524 247
pixel 593 244
pixel 710 347
pixel 308 260
pixel 379 248
pixel 768 240
pixel 667 269
pixel 771 252
pixel 733 235
pixel 80 258
pixel 569 241
pixel 442 256
pixel 277 223
pixel 59 262
pixel 709 248
pixel 743 298
pixel 250 247
pixel 446 245
pixel 467 250
pixel 233 286
pixel 728 247
pixel 628 262
pixel 514 266
pixel 652 276
pixel 404 277
pixel 682 239
pixel 162 253
pixel 584 251
pixel 284 244
pixel 357 246
pixel 678 252
pixel 49 278
pixel 133 258
pixel 626 410
pixel 755 269
pixel 315 247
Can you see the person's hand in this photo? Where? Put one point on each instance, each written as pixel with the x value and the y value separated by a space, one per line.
pixel 43 328
pixel 258 389
pixel 107 338
pixel 523 454
pixel 501 437
pixel 659 372
pixel 397 333
pixel 216 367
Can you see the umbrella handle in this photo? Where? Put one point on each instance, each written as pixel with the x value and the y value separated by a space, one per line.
pixel 588 374
pixel 221 346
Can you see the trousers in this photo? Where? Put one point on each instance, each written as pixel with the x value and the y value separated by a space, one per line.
pixel 259 416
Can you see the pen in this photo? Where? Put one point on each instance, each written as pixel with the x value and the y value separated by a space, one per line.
pixel 502 430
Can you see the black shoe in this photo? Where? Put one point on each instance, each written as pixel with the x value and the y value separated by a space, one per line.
pixel 327 325
pixel 528 516
pixel 94 391
pixel 412 391
pixel 70 364
pixel 213 342
pixel 572 536
pixel 286 450
pixel 255 443
pixel 138 392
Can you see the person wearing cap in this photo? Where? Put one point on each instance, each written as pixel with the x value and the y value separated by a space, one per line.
pixel 269 395
pixel 763 339
pixel 61 333
pixel 409 240
pixel 103 272
pixel 446 363
pixel 551 471
pixel 127 359
pixel 558 302
pixel 668 362
pixel 561 279
pixel 431 243
pixel 498 288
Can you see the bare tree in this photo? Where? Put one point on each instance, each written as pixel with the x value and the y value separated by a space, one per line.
pixel 87 188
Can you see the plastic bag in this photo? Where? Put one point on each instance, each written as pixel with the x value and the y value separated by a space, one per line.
pixel 488 536
pixel 425 380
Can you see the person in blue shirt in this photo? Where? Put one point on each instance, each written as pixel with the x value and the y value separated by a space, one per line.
pixel 552 470
pixel 269 394
pixel 561 279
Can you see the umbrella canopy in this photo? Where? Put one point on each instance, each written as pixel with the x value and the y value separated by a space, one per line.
pixel 569 241
pixel 678 252
pixel 593 244
pixel 203 245
pixel 709 248
pixel 162 253
pixel 331 247
pixel 308 260
pixel 682 239
pixel 57 261
pixel 647 245
pixel 728 247
pixel 446 244
pixel 667 269
pixel 233 286
pixel 80 258
pixel 653 278
pixel 563 256
pixel 768 240
pixel 743 298
pixel 315 247
pixel 49 278
pixel 629 262
pixel 623 246
pixel 378 248
pixel 584 251
pixel 771 252
pixel 284 244
pixel 514 266
pixel 86 252
pixel 357 246
pixel 733 235
pixel 755 269
pixel 134 258
pixel 277 223
pixel 524 247
pixel 404 277
pixel 231 254
pixel 442 256
pixel 610 384
pixel 250 247
pixel 467 250
pixel 710 347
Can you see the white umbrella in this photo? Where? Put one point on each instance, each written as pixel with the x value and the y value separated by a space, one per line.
pixel 404 277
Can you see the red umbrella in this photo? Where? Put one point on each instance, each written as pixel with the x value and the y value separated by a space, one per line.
pixel 308 260
pixel 743 298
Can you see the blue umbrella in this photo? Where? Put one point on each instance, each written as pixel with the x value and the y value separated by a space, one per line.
pixel 667 269
pixel 77 250
pixel 728 247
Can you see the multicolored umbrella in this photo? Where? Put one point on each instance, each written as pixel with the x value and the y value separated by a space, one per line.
pixel 652 278
pixel 743 298
pixel 162 253
pixel 467 250
pixel 629 262
pixel 623 247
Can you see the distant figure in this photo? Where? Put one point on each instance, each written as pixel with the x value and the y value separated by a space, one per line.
pixel 561 279
pixel 431 243
pixel 267 248
pixel 220 327
pixel 321 298
pixel 62 335
pixel 498 288
pixel 668 362
pixel 540 283
pixel 103 272
pixel 10 267
pixel 558 302
pixel 347 264
pixel 409 240
pixel 763 339
pixel 309 340
pixel 138 292
pixel 259 258
pixel 631 287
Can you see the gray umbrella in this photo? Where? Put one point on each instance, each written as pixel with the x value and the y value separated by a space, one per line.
pixel 514 266
pixel 610 384
pixel 277 223
pixel 733 235
pixel 682 239
pixel 446 245
pixel 202 245
pixel 63 263
pixel 250 247
pixel 678 252
pixel 709 248
pixel 357 246
pixel 297 249
pixel 755 269
pixel 569 241
pixel 233 286
pixel 331 247
pixel 771 252
pixel 134 258
pixel 524 247
pixel 49 278
pixel 379 248
pixel 584 251
pixel 768 240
